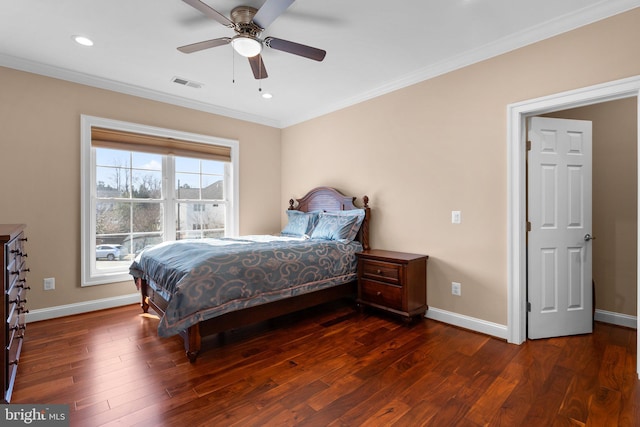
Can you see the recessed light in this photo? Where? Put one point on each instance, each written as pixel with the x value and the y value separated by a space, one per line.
pixel 84 41
pixel 267 95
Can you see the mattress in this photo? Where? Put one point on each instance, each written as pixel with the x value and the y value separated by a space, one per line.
pixel 205 278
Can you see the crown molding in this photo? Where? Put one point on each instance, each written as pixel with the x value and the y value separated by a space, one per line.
pixel 562 24
pixel 127 89
pixel 559 25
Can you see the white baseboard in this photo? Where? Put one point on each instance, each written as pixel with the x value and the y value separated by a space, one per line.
pixel 471 323
pixel 500 331
pixel 616 319
pixel 81 307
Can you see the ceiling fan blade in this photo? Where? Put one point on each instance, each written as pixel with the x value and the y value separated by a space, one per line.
pixel 195 47
pixel 210 12
pixel 295 48
pixel 269 11
pixel 257 66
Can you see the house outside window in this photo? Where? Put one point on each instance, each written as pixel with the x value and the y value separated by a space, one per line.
pixel 142 186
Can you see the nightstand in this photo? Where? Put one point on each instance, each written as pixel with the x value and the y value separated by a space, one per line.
pixel 393 281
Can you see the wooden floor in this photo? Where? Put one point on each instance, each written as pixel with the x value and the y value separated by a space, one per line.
pixel 331 366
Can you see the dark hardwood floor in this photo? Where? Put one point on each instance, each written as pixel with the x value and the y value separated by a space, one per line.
pixel 330 366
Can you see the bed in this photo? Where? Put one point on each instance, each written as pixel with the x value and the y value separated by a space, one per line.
pixel 207 286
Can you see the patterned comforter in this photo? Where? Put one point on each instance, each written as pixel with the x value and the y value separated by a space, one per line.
pixel 205 278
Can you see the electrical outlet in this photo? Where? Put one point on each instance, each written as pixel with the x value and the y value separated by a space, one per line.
pixel 456 217
pixel 49 283
pixel 456 288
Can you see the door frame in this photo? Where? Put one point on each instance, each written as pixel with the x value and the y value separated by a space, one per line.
pixel 517 115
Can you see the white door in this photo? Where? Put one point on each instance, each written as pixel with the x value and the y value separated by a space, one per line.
pixel 559 241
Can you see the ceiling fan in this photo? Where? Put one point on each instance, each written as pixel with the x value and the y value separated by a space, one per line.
pixel 248 23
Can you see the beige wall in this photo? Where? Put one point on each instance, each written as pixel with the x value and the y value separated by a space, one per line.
pixel 418 153
pixel 440 145
pixel 40 171
pixel 615 200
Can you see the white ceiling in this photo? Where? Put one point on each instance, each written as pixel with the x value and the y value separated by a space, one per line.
pixel 373 47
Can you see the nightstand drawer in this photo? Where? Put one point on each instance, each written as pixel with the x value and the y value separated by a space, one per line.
pixel 382 294
pixel 382 271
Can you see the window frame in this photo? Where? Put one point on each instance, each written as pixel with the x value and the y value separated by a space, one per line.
pixel 89 275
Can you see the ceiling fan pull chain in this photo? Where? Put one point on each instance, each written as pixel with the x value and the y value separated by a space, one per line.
pixel 260 76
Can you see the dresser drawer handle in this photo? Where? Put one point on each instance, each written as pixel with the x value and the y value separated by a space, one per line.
pixel 378 293
pixel 378 271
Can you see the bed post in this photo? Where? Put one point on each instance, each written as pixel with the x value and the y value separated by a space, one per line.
pixel 192 342
pixel 364 230
pixel 142 285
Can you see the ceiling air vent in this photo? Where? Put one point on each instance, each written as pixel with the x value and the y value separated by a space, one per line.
pixel 185 82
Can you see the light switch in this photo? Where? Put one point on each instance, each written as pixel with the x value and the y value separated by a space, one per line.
pixel 456 217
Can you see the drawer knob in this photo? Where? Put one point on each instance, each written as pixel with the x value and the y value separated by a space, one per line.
pixel 378 293
pixel 378 271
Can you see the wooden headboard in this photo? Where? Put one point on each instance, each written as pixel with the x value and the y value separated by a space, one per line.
pixel 329 199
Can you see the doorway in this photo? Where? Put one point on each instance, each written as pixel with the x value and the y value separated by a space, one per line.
pixel 516 182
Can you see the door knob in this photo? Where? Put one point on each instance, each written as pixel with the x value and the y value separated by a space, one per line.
pixel 588 237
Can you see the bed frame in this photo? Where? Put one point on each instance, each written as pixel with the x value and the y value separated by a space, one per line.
pixel 321 198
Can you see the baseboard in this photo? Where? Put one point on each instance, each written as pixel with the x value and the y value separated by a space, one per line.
pixel 81 307
pixel 471 323
pixel 616 319
pixel 466 322
pixel 500 331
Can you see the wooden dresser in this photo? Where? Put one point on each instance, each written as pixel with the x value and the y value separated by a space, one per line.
pixel 14 283
pixel 393 281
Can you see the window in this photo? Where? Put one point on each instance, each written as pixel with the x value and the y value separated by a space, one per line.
pixel 142 186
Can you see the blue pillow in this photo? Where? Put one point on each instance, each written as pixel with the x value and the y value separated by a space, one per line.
pixel 338 225
pixel 299 223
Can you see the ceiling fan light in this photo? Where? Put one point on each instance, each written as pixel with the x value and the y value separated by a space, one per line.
pixel 246 46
